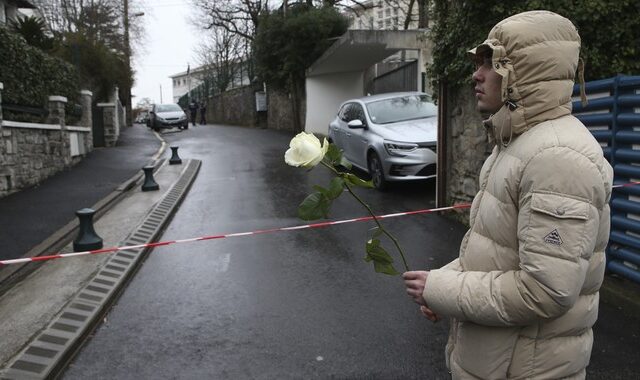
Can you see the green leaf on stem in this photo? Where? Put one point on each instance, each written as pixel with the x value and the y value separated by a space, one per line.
pixel 354 180
pixel 377 233
pixel 336 188
pixel 345 163
pixel 334 155
pixel 315 206
pixel 321 190
pixel 382 261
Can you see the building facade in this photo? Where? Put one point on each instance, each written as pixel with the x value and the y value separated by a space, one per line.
pixel 184 81
pixel 382 15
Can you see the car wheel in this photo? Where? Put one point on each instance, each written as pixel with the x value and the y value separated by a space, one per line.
pixel 377 172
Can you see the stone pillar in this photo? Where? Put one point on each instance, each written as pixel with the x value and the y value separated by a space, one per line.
pixel 57 116
pixel 110 122
pixel 56 111
pixel 86 98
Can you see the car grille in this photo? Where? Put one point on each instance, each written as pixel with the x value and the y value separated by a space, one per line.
pixel 405 170
pixel 427 170
pixel 172 119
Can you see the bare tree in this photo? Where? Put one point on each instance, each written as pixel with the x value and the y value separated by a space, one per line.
pixel 222 56
pixel 101 20
pixel 238 17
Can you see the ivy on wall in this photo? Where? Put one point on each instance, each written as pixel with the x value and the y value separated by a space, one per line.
pixel 609 29
pixel 30 76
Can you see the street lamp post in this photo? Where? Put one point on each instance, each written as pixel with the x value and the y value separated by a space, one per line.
pixel 127 52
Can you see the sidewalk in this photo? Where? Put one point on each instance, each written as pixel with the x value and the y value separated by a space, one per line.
pixel 32 215
pixel 33 307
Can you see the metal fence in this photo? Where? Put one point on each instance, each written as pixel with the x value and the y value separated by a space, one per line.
pixel 613 116
pixel 403 78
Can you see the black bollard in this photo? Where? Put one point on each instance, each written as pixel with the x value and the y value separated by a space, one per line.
pixel 149 184
pixel 175 159
pixel 87 239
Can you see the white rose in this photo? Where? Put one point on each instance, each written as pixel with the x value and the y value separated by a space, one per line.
pixel 305 150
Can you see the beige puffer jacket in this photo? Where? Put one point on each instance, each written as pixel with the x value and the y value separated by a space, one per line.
pixel 523 295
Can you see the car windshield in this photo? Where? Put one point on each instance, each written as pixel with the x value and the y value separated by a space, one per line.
pixel 401 108
pixel 168 108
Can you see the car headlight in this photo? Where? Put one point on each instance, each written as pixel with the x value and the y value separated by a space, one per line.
pixel 183 117
pixel 398 148
pixel 159 118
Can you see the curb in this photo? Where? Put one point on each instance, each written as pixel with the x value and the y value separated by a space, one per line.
pixel 50 351
pixel 10 276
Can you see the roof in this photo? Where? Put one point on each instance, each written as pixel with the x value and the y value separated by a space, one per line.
pixel 184 73
pixel 357 50
pixel 22 4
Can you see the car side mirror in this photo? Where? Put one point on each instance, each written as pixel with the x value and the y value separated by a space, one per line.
pixel 151 112
pixel 355 124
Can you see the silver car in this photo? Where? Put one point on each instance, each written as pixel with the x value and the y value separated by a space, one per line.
pixel 391 136
pixel 167 116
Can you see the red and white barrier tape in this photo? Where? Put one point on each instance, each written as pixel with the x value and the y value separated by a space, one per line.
pixel 237 234
pixel 625 185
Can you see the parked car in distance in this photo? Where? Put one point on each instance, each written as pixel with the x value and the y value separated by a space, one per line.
pixel 390 136
pixel 142 117
pixel 167 116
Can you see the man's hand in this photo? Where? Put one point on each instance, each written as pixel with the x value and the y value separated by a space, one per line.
pixel 415 282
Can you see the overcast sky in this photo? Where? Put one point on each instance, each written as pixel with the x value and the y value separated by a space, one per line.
pixel 169 45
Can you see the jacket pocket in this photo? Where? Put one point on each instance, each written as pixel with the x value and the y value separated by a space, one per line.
pixel 557 225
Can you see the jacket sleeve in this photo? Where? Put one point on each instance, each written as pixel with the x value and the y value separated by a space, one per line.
pixel 557 231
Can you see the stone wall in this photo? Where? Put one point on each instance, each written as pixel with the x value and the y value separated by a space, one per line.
pixel 234 107
pixel 467 149
pixel 30 152
pixel 280 113
pixel 238 107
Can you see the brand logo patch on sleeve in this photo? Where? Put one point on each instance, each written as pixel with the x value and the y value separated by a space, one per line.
pixel 553 237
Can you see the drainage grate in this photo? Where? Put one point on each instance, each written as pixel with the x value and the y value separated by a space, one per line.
pixel 49 352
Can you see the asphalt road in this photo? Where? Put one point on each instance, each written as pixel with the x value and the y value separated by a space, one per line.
pixel 288 305
pixel 300 304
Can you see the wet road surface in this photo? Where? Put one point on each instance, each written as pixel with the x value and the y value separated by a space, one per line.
pixel 298 304
pixel 288 305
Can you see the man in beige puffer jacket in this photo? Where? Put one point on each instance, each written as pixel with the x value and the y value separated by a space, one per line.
pixel 523 294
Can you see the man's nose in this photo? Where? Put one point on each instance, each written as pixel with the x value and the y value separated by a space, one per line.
pixel 477 75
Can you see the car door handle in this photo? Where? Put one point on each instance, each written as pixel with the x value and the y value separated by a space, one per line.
pixel 347 133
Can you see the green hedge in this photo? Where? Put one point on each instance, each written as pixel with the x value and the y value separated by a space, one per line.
pixel 30 76
pixel 609 29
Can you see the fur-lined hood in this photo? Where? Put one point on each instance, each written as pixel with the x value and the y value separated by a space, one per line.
pixel 537 55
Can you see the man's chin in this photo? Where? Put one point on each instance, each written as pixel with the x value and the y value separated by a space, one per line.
pixel 485 110
pixel 481 108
